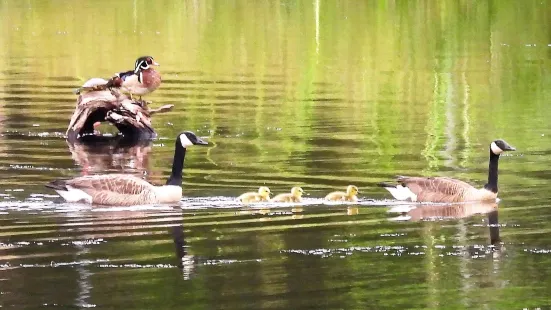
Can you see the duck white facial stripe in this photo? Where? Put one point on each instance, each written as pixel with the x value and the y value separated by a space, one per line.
pixel 495 149
pixel 138 66
pixel 185 141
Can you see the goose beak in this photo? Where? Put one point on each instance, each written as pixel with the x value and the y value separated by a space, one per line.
pixel 509 148
pixel 201 141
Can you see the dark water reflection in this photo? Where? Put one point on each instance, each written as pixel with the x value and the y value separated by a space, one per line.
pixel 316 94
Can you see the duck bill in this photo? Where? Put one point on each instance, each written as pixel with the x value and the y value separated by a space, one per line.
pixel 155 63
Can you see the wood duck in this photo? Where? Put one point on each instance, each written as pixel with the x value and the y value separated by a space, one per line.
pixel 140 81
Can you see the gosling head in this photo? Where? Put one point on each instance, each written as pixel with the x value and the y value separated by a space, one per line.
pixel 188 138
pixel 352 190
pixel 144 63
pixel 297 191
pixel 499 146
pixel 264 191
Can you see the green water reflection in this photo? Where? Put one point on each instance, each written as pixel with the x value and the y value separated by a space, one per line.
pixel 319 94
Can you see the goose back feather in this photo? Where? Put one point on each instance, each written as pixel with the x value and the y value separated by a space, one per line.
pixel 448 190
pixel 442 189
pixel 116 189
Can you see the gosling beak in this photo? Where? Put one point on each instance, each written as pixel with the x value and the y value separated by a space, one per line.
pixel 201 141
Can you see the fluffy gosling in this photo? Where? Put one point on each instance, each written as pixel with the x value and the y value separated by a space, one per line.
pixel 350 195
pixel 294 196
pixel 263 194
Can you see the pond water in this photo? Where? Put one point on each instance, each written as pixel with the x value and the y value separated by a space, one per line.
pixel 319 94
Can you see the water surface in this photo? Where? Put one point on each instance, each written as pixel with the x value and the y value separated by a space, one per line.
pixel 319 94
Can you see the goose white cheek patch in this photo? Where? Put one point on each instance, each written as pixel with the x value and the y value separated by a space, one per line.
pixel 495 149
pixel 185 141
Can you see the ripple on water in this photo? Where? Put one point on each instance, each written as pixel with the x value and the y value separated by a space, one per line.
pixel 42 202
pixel 474 251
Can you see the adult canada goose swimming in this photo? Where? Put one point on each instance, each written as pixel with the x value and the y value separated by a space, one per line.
pixel 350 195
pixel 442 189
pixel 126 189
pixel 294 196
pixel 263 194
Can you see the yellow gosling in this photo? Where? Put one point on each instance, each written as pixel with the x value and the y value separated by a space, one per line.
pixel 294 196
pixel 263 194
pixel 350 195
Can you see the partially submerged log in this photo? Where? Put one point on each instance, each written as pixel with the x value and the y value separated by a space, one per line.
pixel 131 117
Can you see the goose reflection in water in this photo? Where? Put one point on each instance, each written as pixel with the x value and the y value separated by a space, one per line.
pixel 416 212
pixel 185 262
pixel 111 226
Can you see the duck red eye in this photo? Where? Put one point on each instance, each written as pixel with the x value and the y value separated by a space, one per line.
pixel 149 61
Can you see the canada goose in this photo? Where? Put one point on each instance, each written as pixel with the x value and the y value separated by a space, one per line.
pixel 442 189
pixel 350 195
pixel 126 189
pixel 263 194
pixel 294 196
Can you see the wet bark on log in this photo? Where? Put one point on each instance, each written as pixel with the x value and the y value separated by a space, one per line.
pixel 132 118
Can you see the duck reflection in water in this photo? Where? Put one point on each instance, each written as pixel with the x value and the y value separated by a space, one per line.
pixel 417 212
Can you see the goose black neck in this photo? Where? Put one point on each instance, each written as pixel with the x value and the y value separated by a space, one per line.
pixel 177 165
pixel 492 173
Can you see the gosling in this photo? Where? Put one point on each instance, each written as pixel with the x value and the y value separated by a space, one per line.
pixel 350 195
pixel 294 196
pixel 262 195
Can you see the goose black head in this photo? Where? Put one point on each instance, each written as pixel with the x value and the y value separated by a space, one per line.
pixel 188 138
pixel 143 63
pixel 499 146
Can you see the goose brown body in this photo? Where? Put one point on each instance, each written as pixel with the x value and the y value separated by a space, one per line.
pixel 125 189
pixel 122 189
pixel 443 189
pixel 448 190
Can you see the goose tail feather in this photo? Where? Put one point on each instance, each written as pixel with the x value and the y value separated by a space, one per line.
pixel 399 192
pixel 57 185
